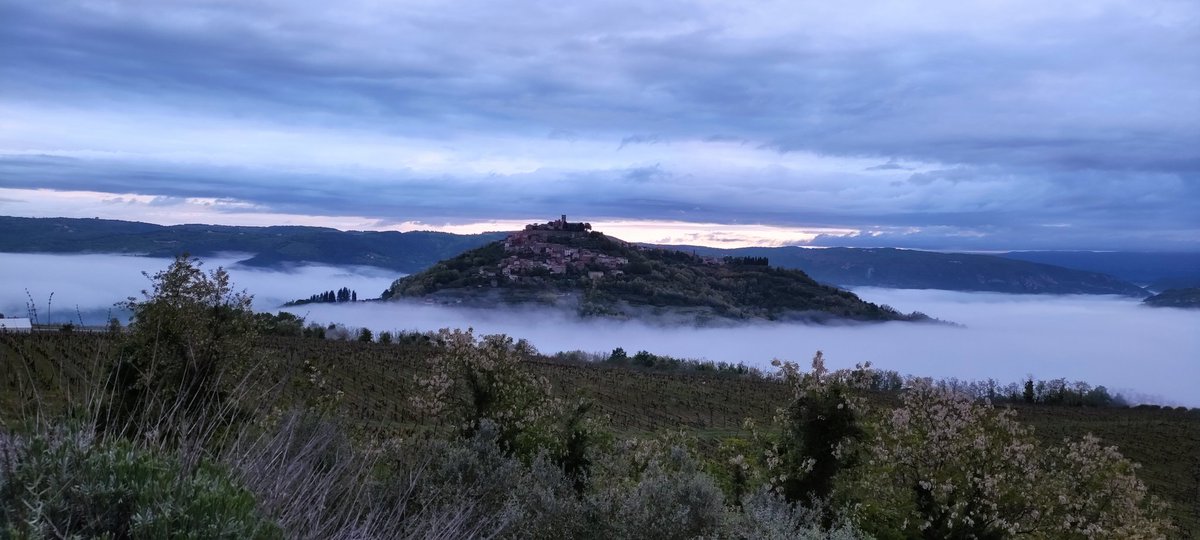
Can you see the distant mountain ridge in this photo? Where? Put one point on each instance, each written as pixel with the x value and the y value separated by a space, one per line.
pixel 912 269
pixel 415 251
pixel 567 265
pixel 272 246
pixel 1177 298
pixel 1158 270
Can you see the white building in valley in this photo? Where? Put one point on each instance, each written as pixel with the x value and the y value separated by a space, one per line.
pixel 15 325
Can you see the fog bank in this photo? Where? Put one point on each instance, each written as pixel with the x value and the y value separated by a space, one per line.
pixel 95 281
pixel 1111 341
pixel 1146 353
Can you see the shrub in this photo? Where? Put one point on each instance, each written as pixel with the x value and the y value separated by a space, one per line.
pixel 550 504
pixel 945 466
pixel 66 484
pixel 768 516
pixel 497 491
pixel 654 489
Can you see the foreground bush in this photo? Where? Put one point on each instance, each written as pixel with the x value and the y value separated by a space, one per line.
pixel 308 478
pixel 473 381
pixel 67 485
pixel 768 516
pixel 945 466
pixel 654 489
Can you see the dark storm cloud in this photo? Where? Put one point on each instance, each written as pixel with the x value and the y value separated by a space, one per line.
pixel 1074 121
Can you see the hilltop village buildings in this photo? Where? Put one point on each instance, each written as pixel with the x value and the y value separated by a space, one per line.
pixel 532 251
pixel 554 248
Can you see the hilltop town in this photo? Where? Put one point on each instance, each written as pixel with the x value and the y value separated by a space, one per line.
pixel 567 264
pixel 540 248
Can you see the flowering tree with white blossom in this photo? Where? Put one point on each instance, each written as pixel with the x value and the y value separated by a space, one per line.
pixel 943 465
pixel 473 380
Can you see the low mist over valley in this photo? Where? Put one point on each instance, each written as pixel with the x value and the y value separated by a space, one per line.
pixel 95 281
pixel 1145 353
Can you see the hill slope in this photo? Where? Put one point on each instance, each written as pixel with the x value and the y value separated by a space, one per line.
pixel 1180 298
pixel 272 246
pixel 1143 268
pixel 598 275
pixel 912 269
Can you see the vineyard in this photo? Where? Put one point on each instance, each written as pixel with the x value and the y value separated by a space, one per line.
pixel 376 382
pixel 371 386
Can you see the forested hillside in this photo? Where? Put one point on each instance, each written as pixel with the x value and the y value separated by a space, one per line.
pixel 914 269
pixel 269 246
pixel 1178 298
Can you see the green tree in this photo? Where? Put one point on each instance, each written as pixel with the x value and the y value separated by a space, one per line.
pixel 821 429
pixel 189 333
pixel 280 324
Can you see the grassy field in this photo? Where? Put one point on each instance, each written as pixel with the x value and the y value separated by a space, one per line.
pixel 376 382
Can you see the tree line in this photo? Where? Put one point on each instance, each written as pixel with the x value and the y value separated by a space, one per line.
pixel 747 261
pixel 344 294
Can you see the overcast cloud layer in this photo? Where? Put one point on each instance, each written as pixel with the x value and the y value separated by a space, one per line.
pixel 999 125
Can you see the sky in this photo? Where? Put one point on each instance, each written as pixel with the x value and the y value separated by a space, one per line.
pixel 984 125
